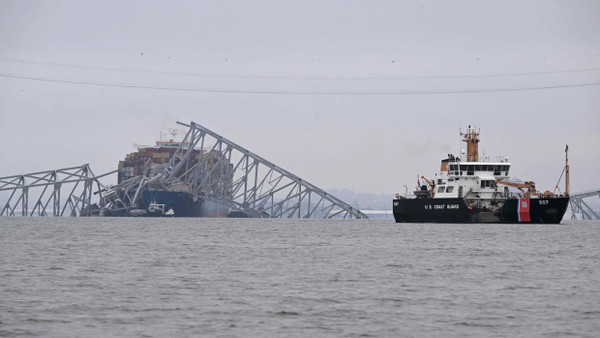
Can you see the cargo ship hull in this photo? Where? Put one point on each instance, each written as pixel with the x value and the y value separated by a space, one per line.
pixel 455 210
pixel 183 204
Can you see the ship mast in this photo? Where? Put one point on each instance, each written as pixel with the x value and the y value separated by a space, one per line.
pixel 567 183
pixel 471 137
pixel 566 173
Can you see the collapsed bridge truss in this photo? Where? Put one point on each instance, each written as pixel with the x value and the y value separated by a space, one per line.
pixel 581 208
pixel 257 186
pixel 60 192
pixel 228 173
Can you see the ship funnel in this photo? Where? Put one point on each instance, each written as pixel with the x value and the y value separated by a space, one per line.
pixel 471 137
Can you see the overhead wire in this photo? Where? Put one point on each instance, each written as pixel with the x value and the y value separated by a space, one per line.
pixel 301 78
pixel 298 92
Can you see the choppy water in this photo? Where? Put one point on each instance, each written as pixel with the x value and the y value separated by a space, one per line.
pixel 124 277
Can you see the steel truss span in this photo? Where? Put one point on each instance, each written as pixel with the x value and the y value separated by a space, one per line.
pixel 60 192
pixel 256 186
pixel 229 173
pixel 581 208
pixel 226 173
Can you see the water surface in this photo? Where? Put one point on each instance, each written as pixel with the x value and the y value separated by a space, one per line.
pixel 136 277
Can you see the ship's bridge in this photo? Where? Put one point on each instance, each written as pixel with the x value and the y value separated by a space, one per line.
pixel 459 178
pixel 485 169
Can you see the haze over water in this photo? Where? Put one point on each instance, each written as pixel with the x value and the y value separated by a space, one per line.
pixel 128 277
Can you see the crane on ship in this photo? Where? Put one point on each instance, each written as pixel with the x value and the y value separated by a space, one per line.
pixel 431 184
pixel 529 185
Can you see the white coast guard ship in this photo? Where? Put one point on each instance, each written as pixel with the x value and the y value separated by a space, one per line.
pixel 468 190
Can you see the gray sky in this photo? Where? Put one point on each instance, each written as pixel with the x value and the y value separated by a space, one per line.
pixel 303 72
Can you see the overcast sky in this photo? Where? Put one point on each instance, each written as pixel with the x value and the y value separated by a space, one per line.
pixel 360 95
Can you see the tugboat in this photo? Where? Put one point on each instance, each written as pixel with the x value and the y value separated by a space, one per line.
pixel 158 210
pixel 467 190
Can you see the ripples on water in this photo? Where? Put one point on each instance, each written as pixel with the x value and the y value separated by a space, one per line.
pixel 69 277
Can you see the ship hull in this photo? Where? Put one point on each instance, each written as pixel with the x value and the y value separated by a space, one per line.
pixel 183 204
pixel 456 210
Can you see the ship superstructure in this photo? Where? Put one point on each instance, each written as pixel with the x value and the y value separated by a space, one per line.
pixel 150 160
pixel 469 189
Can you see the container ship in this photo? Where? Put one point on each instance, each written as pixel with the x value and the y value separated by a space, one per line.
pixel 177 199
pixel 467 190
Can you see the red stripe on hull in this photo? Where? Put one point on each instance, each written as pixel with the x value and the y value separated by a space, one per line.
pixel 523 210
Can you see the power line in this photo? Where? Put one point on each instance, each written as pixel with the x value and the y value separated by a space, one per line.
pixel 301 78
pixel 298 92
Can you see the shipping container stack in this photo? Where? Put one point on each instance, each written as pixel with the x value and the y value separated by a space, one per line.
pixel 151 161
